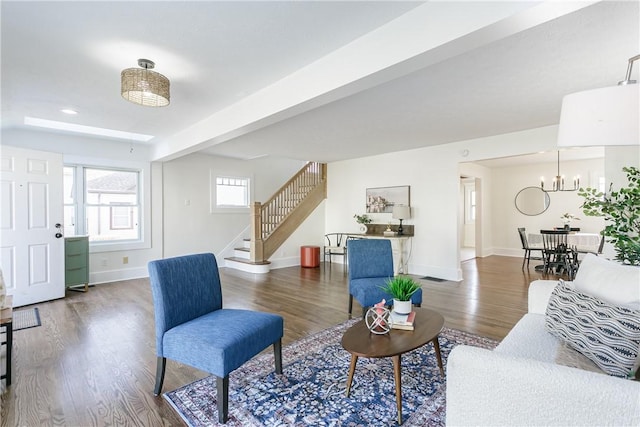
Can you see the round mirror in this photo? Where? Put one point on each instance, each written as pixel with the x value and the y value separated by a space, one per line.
pixel 532 201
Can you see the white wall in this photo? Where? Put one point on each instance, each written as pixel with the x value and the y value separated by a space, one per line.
pixel 177 229
pixel 433 177
pixel 434 174
pixel 509 180
pixel 616 159
pixel 105 266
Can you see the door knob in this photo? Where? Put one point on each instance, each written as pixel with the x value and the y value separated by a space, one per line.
pixel 58 235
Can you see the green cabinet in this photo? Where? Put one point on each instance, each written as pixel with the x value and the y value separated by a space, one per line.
pixel 76 262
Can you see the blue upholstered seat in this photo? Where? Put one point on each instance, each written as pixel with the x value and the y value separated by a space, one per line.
pixel 193 328
pixel 370 267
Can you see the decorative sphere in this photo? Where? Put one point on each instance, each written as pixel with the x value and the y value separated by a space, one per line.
pixel 378 320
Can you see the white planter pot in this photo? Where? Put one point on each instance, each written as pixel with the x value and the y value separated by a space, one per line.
pixel 402 307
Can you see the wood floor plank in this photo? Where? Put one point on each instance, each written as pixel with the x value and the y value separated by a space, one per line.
pixel 92 362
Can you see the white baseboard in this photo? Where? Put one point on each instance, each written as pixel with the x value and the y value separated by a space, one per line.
pixel 118 275
pixel 454 274
pixel 284 262
pixel 509 252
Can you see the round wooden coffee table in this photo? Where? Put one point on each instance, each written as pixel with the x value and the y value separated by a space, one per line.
pixel 358 341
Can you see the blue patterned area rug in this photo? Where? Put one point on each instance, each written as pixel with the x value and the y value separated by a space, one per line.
pixel 311 390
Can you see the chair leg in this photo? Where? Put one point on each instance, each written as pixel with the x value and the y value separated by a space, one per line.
pixel 277 355
pixel 524 258
pixel 160 368
pixel 350 304
pixel 364 312
pixel 222 386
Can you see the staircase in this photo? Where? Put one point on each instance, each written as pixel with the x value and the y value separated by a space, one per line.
pixel 273 221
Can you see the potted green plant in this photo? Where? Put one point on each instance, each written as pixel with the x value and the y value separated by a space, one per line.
pixel 621 211
pixel 363 220
pixel 401 288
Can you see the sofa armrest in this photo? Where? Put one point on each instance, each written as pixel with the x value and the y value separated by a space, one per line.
pixel 488 388
pixel 539 293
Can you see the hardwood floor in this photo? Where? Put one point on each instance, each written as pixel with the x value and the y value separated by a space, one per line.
pixel 92 362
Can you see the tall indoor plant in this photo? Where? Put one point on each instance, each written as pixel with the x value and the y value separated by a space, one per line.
pixel 621 210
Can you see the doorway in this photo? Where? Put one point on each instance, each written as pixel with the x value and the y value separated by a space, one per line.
pixel 469 217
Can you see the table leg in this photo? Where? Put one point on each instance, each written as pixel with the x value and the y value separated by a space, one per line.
pixel 398 377
pixel 8 329
pixel 436 346
pixel 352 368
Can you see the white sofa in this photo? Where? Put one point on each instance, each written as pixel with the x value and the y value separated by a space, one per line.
pixel 521 383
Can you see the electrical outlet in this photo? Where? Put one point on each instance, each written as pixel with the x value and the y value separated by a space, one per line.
pixel 125 260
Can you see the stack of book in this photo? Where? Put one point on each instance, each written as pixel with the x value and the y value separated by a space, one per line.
pixel 403 321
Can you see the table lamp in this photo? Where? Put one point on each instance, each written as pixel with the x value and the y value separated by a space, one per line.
pixel 401 212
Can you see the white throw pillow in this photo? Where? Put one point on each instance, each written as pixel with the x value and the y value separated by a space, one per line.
pixel 609 281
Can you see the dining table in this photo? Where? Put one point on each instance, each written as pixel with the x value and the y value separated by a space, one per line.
pixel 582 242
pixel 577 243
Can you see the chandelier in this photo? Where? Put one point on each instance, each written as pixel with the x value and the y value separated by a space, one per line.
pixel 144 86
pixel 558 183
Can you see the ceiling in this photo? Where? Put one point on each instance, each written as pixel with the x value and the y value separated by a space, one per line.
pixel 322 80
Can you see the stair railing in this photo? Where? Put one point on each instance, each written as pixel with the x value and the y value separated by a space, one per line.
pixel 269 216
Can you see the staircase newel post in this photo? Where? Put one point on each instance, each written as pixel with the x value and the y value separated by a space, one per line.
pixel 257 245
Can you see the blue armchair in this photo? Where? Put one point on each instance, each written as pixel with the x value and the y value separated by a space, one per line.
pixel 370 267
pixel 193 328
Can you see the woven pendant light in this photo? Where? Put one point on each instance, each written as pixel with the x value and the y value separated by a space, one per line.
pixel 143 86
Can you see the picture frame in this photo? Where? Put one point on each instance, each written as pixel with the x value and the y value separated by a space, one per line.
pixel 383 199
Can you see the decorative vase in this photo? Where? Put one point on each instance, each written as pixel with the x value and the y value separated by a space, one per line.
pixel 363 228
pixel 567 227
pixel 402 307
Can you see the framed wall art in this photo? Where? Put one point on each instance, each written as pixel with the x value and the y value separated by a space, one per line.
pixel 383 199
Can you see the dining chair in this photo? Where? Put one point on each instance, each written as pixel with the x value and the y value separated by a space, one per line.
pixel 335 245
pixel 193 328
pixel 370 267
pixel 528 248
pixel 555 251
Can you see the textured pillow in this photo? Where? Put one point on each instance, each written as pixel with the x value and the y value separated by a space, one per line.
pixel 606 334
pixel 609 281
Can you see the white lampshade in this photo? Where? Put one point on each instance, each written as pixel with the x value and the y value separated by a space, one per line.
pixel 401 212
pixel 607 116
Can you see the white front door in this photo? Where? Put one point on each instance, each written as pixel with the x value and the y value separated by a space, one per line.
pixel 32 256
